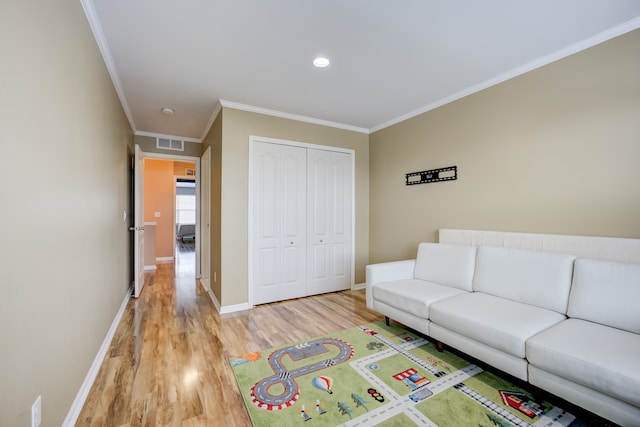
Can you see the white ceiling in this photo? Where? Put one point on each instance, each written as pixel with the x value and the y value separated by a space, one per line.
pixel 390 59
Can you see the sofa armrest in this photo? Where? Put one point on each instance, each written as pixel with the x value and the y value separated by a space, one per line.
pixel 385 272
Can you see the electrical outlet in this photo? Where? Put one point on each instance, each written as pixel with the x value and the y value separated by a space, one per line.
pixel 215 277
pixel 36 412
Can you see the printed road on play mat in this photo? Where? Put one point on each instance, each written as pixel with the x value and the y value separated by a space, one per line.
pixel 379 375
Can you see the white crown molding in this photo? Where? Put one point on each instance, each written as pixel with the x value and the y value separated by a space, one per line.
pixel 299 118
pixel 563 53
pixel 96 28
pixel 212 119
pixel 162 135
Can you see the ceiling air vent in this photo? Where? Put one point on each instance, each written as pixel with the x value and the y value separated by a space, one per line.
pixel 170 144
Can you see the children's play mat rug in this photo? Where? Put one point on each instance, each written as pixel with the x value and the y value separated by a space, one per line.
pixel 379 375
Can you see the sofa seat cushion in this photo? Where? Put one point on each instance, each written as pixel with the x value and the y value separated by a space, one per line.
pixel 496 322
pixel 412 295
pixel 599 357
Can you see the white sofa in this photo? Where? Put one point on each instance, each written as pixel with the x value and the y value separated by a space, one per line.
pixel 566 325
pixel 185 232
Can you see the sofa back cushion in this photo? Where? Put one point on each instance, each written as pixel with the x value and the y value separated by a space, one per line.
pixel 607 293
pixel 537 278
pixel 449 265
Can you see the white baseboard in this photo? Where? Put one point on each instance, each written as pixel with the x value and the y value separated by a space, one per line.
pixel 150 268
pixel 205 284
pixel 215 301
pixel 359 286
pixel 81 397
pixel 228 308
pixel 164 259
pixel 232 308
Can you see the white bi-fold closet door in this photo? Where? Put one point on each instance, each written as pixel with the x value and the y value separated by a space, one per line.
pixel 301 220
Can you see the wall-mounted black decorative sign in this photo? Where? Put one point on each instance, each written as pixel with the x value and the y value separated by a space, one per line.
pixel 434 175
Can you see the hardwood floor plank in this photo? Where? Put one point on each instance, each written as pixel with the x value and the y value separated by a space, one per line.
pixel 168 364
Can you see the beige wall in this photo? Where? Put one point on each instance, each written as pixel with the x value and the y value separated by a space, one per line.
pixel 553 151
pixel 214 142
pixel 64 182
pixel 237 126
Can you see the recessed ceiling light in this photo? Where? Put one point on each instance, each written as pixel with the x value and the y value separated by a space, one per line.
pixel 167 111
pixel 321 62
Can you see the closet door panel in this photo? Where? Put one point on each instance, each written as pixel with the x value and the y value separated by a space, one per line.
pixel 329 186
pixel 341 261
pixel 267 194
pixel 268 260
pixel 279 222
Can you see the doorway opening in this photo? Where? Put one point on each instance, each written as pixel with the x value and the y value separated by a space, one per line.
pixel 169 201
pixel 185 223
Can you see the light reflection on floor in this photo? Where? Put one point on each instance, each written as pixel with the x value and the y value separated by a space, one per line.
pixel 185 272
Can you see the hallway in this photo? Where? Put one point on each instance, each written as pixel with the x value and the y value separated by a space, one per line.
pixel 168 362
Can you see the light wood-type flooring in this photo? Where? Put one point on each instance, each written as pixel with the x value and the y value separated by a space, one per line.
pixel 168 364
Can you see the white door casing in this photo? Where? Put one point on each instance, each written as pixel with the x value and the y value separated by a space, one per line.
pixel 327 262
pixel 138 232
pixel 278 222
pixel 329 204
